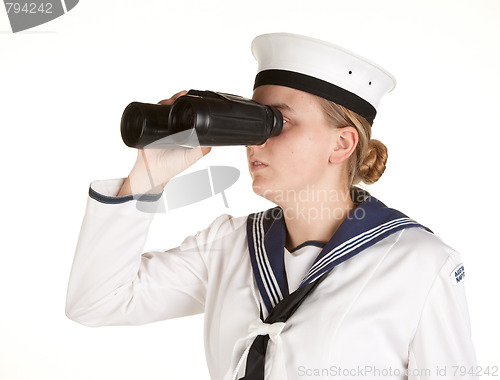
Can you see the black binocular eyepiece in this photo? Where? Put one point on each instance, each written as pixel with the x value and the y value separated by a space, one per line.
pixel 206 118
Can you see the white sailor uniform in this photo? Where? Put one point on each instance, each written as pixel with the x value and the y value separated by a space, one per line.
pixel 390 304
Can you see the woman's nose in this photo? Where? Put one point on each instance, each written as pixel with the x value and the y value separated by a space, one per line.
pixel 263 145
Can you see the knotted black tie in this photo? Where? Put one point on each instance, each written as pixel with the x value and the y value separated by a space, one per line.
pixel 256 358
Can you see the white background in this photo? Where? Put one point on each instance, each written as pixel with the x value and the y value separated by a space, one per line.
pixel 64 85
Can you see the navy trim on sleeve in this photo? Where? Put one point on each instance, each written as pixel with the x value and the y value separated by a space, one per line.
pixel 118 200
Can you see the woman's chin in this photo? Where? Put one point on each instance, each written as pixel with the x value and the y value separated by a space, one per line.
pixel 260 189
pixel 266 192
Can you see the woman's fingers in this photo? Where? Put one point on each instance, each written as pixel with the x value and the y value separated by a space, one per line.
pixel 170 101
pixel 205 149
pixel 194 154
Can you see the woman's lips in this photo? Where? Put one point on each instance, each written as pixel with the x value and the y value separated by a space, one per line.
pixel 256 165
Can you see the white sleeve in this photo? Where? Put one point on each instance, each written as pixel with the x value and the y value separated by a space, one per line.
pixel 442 346
pixel 111 283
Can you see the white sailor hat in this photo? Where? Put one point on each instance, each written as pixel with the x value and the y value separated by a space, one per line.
pixel 322 69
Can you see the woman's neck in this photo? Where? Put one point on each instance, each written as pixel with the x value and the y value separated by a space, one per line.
pixel 314 214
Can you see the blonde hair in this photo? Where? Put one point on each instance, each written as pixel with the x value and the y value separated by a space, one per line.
pixel 368 162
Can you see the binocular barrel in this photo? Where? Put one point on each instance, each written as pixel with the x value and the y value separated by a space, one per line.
pixel 217 120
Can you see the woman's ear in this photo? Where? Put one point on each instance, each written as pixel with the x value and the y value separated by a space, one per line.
pixel 344 145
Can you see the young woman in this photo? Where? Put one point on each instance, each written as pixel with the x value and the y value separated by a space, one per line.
pixel 330 283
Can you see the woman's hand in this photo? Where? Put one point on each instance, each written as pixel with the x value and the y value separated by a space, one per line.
pixel 155 167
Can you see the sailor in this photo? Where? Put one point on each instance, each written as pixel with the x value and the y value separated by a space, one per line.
pixel 331 282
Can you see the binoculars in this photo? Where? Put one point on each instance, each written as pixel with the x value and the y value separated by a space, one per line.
pixel 205 118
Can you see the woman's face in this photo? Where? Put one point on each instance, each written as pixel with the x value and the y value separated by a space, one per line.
pixel 299 157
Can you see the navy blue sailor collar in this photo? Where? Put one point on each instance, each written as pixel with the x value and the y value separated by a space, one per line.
pixel 370 222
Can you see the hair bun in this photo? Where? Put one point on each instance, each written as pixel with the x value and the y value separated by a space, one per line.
pixel 373 165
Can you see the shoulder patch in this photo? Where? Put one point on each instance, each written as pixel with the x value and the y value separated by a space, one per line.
pixel 457 275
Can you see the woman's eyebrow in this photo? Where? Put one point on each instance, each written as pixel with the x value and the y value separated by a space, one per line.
pixel 282 107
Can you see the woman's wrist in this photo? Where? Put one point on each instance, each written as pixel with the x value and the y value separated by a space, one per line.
pixel 141 182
